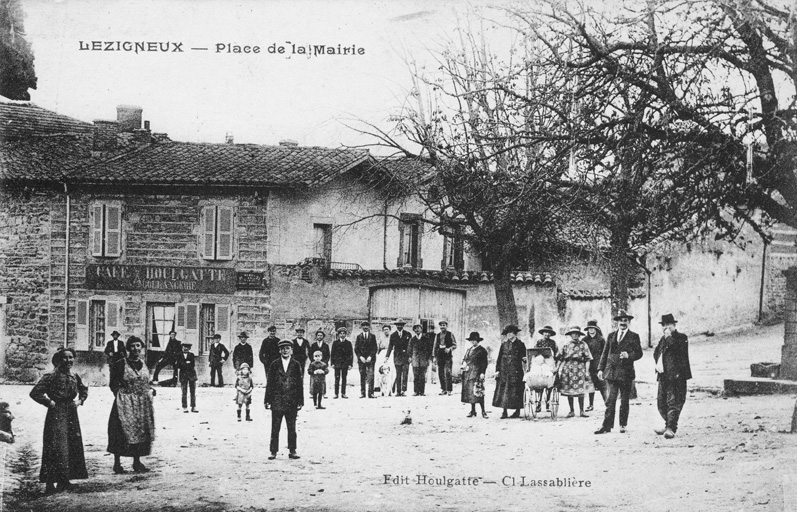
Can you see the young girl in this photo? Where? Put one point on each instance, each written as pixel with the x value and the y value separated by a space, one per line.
pixel 243 386
pixel 574 373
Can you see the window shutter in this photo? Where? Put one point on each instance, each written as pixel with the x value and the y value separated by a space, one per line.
pixel 400 262
pixel 179 327
pixel 459 253
pixel 208 232
pixel 82 325
pixel 113 230
pixel 113 316
pixel 96 230
pixel 192 324
pixel 223 322
pixel 224 247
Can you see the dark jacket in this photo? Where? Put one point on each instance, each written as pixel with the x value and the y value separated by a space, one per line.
pixel 284 390
pixel 365 346
pixel 399 342
pixel 420 350
pixel 242 354
pixel 674 352
pixel 174 348
pixel 442 342
pixel 611 365
pixel 121 351
pixel 300 351
pixel 186 367
pixel 218 354
pixel 269 351
pixel 342 354
pixel 595 345
pixel 324 348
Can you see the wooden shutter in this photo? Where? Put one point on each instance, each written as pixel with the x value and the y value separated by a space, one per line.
pixel 209 232
pixel 179 326
pixel 95 233
pixel 192 324
pixel 113 230
pixel 224 239
pixel 82 325
pixel 223 323
pixel 113 317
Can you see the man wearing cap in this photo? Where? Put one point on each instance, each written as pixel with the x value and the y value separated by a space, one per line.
pixel 269 351
pixel 170 356
pixel 341 359
pixel 420 353
pixel 217 356
pixel 242 353
pixel 115 351
pixel 444 346
pixel 595 341
pixel 284 396
pixel 617 368
pixel 399 342
pixel 365 349
pixel 672 371
pixel 300 347
pixel 186 364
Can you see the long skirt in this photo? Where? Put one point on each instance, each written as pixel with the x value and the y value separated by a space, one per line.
pixel 472 387
pixel 509 393
pixel 62 453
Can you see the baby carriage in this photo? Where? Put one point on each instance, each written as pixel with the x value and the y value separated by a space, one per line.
pixel 540 375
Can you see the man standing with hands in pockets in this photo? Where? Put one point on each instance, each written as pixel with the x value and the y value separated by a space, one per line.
pixel 672 372
pixel 284 396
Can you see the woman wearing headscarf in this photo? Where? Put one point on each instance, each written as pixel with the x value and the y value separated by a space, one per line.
pixel 595 341
pixel 574 378
pixel 131 426
pixel 474 365
pixel 509 384
pixel 62 454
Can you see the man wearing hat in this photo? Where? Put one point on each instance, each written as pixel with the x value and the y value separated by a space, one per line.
pixel 672 371
pixel 115 351
pixel 242 353
pixel 399 342
pixel 442 353
pixel 420 353
pixel 217 356
pixel 341 357
pixel 617 368
pixel 269 351
pixel 300 347
pixel 595 341
pixel 284 396
pixel 186 364
pixel 170 356
pixel 365 349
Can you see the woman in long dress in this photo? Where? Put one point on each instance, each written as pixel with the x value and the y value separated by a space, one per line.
pixel 131 426
pixel 62 454
pixel 509 384
pixel 474 365
pixel 574 379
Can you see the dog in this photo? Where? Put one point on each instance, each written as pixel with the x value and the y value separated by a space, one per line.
pixel 384 380
pixel 407 418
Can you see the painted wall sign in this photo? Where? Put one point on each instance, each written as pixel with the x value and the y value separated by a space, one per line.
pixel 157 278
pixel 249 280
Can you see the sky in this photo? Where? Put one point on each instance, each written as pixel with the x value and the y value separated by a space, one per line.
pixel 261 98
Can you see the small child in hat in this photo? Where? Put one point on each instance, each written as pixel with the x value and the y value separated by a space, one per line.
pixel 318 370
pixel 243 388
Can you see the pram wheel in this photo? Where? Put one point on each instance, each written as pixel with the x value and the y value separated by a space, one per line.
pixel 554 402
pixel 529 403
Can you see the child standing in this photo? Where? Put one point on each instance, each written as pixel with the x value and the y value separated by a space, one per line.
pixel 318 369
pixel 244 387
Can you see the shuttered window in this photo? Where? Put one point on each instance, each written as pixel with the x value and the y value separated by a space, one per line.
pixel 217 232
pixel 106 230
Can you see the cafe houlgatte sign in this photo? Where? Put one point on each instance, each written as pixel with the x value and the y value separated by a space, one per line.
pixel 158 278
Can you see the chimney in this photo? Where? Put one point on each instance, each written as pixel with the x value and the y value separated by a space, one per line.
pixel 128 117
pixel 228 139
pixel 105 134
pixel 289 143
pixel 142 136
pixel 160 137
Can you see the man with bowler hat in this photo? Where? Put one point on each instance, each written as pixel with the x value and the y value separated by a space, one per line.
pixel 672 371
pixel 284 396
pixel 616 367
pixel 269 351
pixel 217 356
pixel 365 349
pixel 242 353
pixel 399 342
pixel 442 356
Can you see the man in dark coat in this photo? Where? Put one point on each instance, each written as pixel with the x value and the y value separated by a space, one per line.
pixel 301 346
pixel 284 396
pixel 616 367
pixel 420 353
pixel 444 346
pixel 115 351
pixel 170 355
pixel 399 342
pixel 242 353
pixel 672 371
pixel 217 356
pixel 269 351
pixel 365 349
pixel 341 359
pixel 186 364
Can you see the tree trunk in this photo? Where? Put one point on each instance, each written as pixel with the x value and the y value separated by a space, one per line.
pixel 504 296
pixel 619 271
pixel 794 420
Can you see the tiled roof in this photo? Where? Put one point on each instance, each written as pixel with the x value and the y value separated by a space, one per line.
pixel 43 158
pixel 633 293
pixel 184 162
pixel 463 277
pixel 22 119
